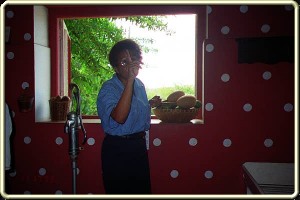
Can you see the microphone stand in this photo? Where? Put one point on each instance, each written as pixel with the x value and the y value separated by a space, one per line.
pixel 72 126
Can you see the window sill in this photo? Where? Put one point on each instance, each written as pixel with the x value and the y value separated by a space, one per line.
pixel 153 121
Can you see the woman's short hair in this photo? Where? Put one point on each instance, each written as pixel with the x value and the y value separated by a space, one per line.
pixel 121 46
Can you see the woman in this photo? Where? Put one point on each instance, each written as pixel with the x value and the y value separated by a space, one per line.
pixel 124 111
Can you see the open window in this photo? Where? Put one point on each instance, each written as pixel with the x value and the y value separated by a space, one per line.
pixel 167 42
pixel 59 41
pixel 64 59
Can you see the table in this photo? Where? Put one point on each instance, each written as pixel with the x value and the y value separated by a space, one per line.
pixel 269 178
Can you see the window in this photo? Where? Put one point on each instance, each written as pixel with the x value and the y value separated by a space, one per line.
pixel 97 11
pixel 167 42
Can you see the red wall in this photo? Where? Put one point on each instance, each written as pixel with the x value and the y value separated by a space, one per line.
pixel 181 155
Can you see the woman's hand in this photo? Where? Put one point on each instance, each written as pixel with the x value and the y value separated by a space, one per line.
pixel 133 69
pixel 155 101
pixel 133 66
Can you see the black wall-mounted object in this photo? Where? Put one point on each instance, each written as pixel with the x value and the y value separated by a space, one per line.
pixel 267 50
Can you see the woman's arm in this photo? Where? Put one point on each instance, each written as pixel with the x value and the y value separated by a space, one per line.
pixel 121 111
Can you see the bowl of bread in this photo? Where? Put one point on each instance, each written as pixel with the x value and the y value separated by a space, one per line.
pixel 178 108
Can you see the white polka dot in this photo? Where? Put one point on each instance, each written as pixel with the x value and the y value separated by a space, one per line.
pixel 58 192
pixel 13 174
pixel 42 171
pixel 225 30
pixel 91 141
pixel 25 85
pixel 265 28
pixel 247 107
pixel 268 142
pixel 10 14
pixel 209 107
pixel 193 141
pixel 227 143
pixel 174 173
pixel 288 7
pixel 288 107
pixel 225 77
pixel 156 142
pixel 27 192
pixel 10 55
pixel 267 75
pixel 208 174
pixel 27 36
pixel 208 9
pixel 244 9
pixel 209 47
pixel 27 140
pixel 59 141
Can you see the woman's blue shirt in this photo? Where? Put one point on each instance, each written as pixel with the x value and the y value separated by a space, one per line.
pixel 140 112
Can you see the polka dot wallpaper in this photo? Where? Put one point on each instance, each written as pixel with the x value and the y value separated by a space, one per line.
pixel 259 24
pixel 248 115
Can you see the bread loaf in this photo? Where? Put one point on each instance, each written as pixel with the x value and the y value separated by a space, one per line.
pixel 186 101
pixel 173 97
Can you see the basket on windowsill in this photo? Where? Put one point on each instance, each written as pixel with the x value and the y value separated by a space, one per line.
pixel 176 115
pixel 59 108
